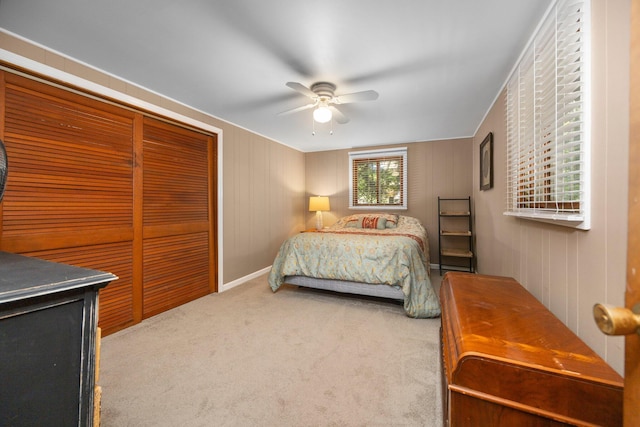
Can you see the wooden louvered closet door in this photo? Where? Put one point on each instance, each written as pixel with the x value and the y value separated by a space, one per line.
pixel 177 253
pixel 100 186
pixel 69 194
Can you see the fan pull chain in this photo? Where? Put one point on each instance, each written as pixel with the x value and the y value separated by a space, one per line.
pixel 313 127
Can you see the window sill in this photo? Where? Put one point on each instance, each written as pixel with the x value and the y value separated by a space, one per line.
pixel 577 221
pixel 379 207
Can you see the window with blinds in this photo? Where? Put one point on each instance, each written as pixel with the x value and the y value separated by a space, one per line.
pixel 378 178
pixel 547 122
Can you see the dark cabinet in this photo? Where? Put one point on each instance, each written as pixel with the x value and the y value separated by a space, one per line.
pixel 48 317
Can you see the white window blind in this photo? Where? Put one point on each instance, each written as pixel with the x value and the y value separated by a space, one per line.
pixel 547 122
pixel 378 178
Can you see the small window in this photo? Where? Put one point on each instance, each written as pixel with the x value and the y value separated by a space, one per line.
pixel 378 179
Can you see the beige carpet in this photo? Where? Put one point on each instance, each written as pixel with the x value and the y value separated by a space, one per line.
pixel 299 357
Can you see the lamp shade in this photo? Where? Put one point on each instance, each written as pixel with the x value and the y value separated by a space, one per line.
pixel 319 203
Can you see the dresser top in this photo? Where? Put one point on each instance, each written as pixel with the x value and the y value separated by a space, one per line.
pixel 501 345
pixel 25 277
pixel 497 318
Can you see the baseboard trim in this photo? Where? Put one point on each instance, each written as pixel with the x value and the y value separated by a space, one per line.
pixel 240 281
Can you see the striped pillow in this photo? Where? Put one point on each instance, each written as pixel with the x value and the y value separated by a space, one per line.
pixel 376 222
pixel 380 221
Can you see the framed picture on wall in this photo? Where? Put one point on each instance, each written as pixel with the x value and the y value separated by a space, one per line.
pixel 486 162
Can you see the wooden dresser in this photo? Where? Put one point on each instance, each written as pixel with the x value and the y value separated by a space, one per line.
pixel 508 361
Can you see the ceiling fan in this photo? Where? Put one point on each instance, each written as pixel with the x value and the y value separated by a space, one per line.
pixel 324 100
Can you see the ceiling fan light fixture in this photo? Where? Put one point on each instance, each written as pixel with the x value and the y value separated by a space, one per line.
pixel 324 101
pixel 322 114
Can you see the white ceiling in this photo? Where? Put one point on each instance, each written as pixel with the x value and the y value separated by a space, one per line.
pixel 437 64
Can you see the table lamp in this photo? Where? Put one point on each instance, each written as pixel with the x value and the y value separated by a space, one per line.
pixel 319 204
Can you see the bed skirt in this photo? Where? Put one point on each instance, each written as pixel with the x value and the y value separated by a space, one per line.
pixel 375 290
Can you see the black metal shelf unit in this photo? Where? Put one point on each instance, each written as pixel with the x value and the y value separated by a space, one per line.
pixel 455 234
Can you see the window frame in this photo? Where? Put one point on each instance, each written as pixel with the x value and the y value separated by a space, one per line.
pixel 378 155
pixel 548 144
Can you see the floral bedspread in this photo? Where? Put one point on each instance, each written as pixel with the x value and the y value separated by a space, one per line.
pixel 392 256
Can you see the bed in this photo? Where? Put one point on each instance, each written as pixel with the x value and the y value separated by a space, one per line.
pixel 384 255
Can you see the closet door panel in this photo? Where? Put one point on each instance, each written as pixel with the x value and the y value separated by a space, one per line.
pixel 116 305
pixel 175 175
pixel 176 232
pixel 70 164
pixel 176 271
pixel 69 195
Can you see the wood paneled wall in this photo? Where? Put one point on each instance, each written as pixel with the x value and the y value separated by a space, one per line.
pixel 570 270
pixel 263 201
pixel 434 168
pixel 102 186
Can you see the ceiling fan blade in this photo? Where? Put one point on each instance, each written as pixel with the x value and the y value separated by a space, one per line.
pixel 367 95
pixel 295 110
pixel 302 89
pixel 337 114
